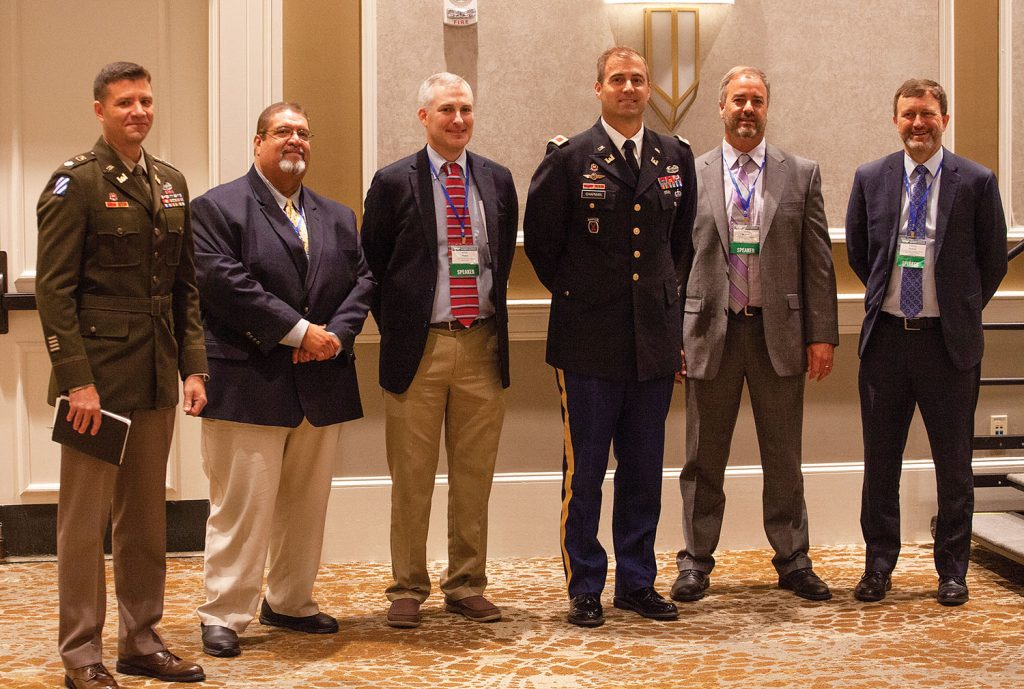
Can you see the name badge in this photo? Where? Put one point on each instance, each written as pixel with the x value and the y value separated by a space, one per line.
pixel 464 261
pixel 911 253
pixel 746 239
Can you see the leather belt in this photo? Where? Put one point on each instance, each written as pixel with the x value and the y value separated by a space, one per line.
pixel 455 326
pixel 912 324
pixel 154 306
pixel 747 312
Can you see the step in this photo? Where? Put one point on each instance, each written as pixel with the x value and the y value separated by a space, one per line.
pixel 1017 480
pixel 1000 532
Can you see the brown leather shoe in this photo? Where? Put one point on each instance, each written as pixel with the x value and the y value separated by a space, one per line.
pixel 162 665
pixel 404 613
pixel 476 608
pixel 93 676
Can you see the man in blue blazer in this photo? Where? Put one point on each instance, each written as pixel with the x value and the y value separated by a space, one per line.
pixel 925 233
pixel 284 292
pixel 439 232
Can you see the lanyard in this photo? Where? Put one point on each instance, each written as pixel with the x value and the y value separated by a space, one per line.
pixel 912 212
pixel 744 202
pixel 465 200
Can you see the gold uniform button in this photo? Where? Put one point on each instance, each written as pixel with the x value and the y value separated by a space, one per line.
pixel 636 254
pixel 565 293
pixel 636 276
pixel 92 329
pixel 636 230
pixel 120 232
pixel 591 205
pixel 636 207
pixel 156 231
pixel 155 279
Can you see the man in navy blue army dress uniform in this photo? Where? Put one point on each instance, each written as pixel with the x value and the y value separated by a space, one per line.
pixel 607 226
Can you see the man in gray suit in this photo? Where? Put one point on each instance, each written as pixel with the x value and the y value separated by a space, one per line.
pixel 761 307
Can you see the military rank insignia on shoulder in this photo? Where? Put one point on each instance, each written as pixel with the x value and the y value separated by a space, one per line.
pixel 164 162
pixel 681 140
pixel 79 159
pixel 557 142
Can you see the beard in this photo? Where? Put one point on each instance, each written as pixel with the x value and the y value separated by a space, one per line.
pixel 292 167
pixel 746 129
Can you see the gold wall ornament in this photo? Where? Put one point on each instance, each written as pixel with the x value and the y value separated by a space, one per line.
pixel 672 49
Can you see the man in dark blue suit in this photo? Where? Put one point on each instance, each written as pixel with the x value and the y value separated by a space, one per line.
pixel 284 292
pixel 607 228
pixel 439 233
pixel 925 233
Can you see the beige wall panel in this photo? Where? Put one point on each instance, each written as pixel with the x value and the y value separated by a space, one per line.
pixel 532 65
pixel 1017 125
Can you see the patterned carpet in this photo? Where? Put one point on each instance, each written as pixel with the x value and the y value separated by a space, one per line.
pixel 746 633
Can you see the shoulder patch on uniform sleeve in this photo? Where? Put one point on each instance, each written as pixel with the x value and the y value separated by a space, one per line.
pixel 682 140
pixel 60 185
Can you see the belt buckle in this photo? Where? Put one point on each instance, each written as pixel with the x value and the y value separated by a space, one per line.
pixel 907 326
pixel 746 311
pixel 155 304
pixel 454 325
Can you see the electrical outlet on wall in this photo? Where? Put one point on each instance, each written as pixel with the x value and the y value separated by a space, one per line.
pixel 998 423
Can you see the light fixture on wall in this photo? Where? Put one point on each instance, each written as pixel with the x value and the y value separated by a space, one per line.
pixel 672 49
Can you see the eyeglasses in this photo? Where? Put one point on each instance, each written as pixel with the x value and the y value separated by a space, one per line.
pixel 285 133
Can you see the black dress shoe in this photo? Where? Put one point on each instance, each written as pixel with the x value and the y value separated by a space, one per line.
pixel 219 641
pixel 690 585
pixel 872 586
pixel 320 623
pixel 806 584
pixel 646 602
pixel 585 610
pixel 952 591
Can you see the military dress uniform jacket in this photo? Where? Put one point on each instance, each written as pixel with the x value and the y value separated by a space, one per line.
pixel 613 251
pixel 115 286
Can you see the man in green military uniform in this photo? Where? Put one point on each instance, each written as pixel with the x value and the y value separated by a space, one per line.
pixel 120 313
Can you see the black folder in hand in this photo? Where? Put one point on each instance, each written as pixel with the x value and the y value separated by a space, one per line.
pixel 107 445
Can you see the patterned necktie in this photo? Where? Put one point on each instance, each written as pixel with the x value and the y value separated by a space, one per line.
pixel 739 286
pixel 911 281
pixel 297 224
pixel 142 184
pixel 465 298
pixel 629 153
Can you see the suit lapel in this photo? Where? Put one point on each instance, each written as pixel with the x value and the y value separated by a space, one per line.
pixel 423 192
pixel 315 232
pixel 484 181
pixel 711 178
pixel 949 184
pixel 776 169
pixel 606 157
pixel 116 173
pixel 278 221
pixel 893 185
pixel 649 162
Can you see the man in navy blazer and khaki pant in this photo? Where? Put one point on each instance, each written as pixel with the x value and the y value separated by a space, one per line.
pixel 439 232
pixel 285 291
pixel 925 233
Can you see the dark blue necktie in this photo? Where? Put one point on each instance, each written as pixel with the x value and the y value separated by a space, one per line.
pixel 911 283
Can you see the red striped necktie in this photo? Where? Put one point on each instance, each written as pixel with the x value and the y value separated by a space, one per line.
pixel 465 298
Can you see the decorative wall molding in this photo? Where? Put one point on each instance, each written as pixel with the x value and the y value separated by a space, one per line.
pixel 1006 114
pixel 368 18
pixel 246 66
pixel 947 54
pixel 525 510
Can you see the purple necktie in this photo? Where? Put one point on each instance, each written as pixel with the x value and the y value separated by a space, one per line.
pixel 739 286
pixel 911 281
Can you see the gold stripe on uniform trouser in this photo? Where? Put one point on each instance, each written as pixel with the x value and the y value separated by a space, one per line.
pixel 570 468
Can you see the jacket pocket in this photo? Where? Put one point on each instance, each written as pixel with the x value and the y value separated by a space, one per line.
pixel 794 301
pixel 694 305
pixel 117 245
